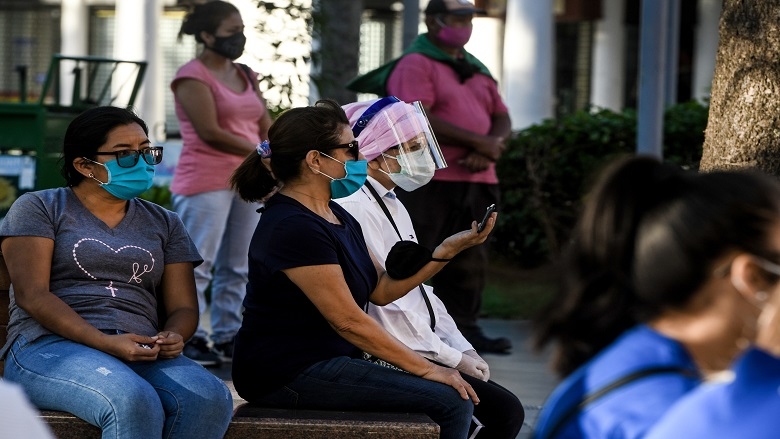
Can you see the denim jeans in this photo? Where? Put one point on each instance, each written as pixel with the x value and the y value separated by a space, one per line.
pixel 221 226
pixel 345 383
pixel 172 398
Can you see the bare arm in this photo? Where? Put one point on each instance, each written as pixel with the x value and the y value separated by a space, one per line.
pixel 490 145
pixel 327 289
pixel 181 308
pixel 28 260
pixel 198 102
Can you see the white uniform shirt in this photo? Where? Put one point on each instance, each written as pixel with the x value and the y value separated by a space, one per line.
pixel 407 318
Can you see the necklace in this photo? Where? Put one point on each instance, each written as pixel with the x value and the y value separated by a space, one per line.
pixel 305 194
pixel 327 214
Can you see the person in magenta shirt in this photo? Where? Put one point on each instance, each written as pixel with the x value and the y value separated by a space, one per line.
pixel 472 125
pixel 223 117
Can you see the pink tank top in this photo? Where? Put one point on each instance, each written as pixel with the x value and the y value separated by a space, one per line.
pixel 201 167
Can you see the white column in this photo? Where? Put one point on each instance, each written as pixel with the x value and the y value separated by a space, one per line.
pixel 528 61
pixel 486 44
pixel 706 47
pixel 130 31
pixel 152 95
pixel 74 42
pixel 608 73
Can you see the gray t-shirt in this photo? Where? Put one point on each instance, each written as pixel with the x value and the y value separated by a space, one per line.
pixel 110 277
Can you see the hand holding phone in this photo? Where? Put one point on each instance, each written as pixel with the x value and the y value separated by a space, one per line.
pixel 483 223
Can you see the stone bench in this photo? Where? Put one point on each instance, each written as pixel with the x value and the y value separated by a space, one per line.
pixel 256 422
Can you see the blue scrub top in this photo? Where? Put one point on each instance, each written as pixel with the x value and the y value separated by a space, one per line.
pixel 747 407
pixel 628 411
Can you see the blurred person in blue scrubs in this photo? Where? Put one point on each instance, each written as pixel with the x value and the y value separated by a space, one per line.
pixel 746 405
pixel 659 292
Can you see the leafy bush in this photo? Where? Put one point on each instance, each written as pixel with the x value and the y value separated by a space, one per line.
pixel 547 168
pixel 159 195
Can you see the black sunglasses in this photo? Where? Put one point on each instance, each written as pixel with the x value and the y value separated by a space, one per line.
pixel 127 158
pixel 352 148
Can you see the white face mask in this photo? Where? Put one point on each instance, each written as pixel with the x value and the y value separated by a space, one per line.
pixel 417 169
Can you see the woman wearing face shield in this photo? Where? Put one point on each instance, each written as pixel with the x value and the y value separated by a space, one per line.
pixel 222 116
pixel 311 276
pixel 396 139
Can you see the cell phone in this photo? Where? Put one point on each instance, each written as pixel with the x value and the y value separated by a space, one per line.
pixel 483 223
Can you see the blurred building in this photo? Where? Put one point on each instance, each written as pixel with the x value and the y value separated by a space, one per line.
pixel 551 57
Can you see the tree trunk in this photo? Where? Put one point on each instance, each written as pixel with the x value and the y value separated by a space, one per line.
pixel 743 129
pixel 340 47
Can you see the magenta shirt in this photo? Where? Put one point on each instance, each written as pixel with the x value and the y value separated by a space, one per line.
pixel 201 167
pixel 469 105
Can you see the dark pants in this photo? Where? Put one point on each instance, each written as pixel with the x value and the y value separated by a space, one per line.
pixel 499 410
pixel 349 384
pixel 439 210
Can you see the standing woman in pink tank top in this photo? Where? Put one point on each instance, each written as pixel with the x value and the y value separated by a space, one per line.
pixel 222 117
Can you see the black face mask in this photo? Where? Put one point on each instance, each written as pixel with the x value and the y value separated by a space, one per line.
pixel 230 47
pixel 406 258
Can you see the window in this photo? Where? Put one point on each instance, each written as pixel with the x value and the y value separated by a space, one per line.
pixel 173 53
pixel 29 35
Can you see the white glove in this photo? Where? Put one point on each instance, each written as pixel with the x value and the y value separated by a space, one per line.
pixel 483 364
pixel 472 364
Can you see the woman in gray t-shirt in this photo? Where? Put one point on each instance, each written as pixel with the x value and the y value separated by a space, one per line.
pixel 103 293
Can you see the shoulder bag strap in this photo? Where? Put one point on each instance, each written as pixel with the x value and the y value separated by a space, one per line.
pixel 390 217
pixel 247 72
pixel 600 393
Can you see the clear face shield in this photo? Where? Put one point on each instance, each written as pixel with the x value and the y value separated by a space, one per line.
pixel 418 150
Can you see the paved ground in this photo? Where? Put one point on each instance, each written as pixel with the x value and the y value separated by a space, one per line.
pixel 522 372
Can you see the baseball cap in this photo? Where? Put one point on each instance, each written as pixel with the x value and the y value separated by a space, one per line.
pixel 457 7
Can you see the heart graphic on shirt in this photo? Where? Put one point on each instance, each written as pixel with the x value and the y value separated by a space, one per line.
pixel 135 270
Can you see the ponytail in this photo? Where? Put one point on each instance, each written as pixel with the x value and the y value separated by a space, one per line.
pixel 252 180
pixel 596 300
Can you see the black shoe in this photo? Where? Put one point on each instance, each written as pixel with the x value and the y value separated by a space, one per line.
pixel 483 344
pixel 224 350
pixel 197 349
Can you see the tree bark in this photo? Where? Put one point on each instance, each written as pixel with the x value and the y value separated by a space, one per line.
pixel 743 128
pixel 340 48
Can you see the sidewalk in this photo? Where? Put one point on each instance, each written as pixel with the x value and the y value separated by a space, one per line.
pixel 522 372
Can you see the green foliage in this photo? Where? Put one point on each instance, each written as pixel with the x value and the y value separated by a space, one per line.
pixel 285 47
pixel 547 169
pixel 159 195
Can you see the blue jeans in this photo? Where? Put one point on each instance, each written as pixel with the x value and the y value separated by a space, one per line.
pixel 221 226
pixel 345 383
pixel 128 400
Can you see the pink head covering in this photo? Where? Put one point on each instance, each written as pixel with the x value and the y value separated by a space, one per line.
pixel 393 124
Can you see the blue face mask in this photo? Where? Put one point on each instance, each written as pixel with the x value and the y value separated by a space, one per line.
pixel 357 171
pixel 127 183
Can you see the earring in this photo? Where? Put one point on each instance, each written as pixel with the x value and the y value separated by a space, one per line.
pixel 762 296
pixel 91 175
